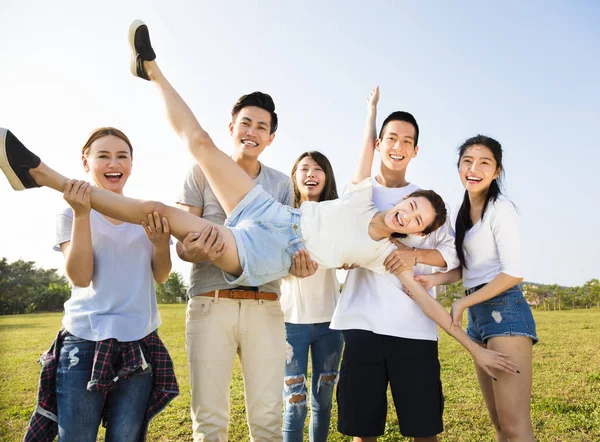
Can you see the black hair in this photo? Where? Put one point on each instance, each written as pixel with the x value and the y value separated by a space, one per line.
pixel 463 219
pixel 260 100
pixel 401 116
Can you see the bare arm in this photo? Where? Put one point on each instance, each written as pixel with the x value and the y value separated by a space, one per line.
pixel 79 258
pixel 365 160
pixel 486 359
pixel 499 284
pixel 158 233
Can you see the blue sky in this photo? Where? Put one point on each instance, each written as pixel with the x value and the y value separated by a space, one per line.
pixel 525 73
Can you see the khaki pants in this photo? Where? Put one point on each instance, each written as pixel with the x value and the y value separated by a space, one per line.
pixel 217 329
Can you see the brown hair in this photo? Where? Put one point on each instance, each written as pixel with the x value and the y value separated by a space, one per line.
pixel 439 208
pixel 329 190
pixel 104 132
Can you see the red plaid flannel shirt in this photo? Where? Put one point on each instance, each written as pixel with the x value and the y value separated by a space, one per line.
pixel 128 359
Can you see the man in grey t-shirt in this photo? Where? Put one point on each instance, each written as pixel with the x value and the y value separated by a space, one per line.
pixel 223 320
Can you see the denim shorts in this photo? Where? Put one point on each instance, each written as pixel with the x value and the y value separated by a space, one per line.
pixel 506 314
pixel 267 234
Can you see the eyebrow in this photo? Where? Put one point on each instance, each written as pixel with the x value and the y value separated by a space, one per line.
pixel 106 151
pixel 417 208
pixel 480 158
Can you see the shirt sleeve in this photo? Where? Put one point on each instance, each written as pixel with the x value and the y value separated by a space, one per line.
pixel 443 242
pixel 287 193
pixel 64 227
pixel 191 194
pixel 506 228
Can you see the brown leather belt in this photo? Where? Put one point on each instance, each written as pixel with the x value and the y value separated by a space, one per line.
pixel 243 294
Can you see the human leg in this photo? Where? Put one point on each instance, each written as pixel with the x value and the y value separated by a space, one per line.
pixel 79 410
pixel 25 170
pixel 127 407
pixel 295 403
pixel 262 355
pixel 227 180
pixel 211 345
pixel 326 352
pixel 512 393
pixel 362 388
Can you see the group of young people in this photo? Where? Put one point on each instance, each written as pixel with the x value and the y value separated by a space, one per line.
pixel 264 250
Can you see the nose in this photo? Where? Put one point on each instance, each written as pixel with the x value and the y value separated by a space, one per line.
pixel 310 173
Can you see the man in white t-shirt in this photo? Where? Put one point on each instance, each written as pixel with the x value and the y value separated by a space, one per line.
pixel 388 337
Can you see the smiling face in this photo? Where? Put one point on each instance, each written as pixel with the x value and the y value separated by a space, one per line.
pixel 310 179
pixel 477 168
pixel 251 131
pixel 109 162
pixel 397 145
pixel 412 215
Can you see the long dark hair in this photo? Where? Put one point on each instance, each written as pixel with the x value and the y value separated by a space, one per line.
pixel 329 190
pixel 463 219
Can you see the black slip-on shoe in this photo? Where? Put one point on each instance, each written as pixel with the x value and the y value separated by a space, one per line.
pixel 141 49
pixel 16 160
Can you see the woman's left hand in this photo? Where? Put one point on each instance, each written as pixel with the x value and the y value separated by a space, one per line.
pixel 157 230
pixel 457 313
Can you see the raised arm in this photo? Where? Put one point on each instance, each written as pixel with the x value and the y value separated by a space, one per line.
pixel 365 160
pixel 486 359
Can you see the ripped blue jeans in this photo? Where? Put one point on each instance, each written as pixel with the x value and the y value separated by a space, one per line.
pixel 325 347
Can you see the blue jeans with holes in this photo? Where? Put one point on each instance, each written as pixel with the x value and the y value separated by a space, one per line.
pixel 325 347
pixel 80 410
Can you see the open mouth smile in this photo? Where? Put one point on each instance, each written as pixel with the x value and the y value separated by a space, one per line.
pixel 249 143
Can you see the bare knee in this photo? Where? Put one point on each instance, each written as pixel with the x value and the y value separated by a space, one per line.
pixel 294 380
pixel 295 389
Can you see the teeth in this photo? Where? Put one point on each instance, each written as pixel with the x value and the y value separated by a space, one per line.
pixel 472 178
pixel 398 219
pixel 396 157
pixel 116 174
pixel 249 143
pixel 311 183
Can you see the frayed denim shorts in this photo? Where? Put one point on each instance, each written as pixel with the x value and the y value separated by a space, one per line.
pixel 506 314
pixel 267 234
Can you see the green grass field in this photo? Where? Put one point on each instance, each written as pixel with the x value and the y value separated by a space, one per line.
pixel 566 388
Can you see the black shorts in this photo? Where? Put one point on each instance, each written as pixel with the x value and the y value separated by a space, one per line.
pixel 412 368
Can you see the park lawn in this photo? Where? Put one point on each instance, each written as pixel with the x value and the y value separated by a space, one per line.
pixel 566 383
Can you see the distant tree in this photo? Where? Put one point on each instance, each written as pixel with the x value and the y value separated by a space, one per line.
pixel 172 291
pixel 25 288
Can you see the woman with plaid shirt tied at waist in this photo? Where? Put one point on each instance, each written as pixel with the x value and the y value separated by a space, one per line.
pixel 107 363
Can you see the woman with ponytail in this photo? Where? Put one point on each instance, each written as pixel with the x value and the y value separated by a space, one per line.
pixel 489 248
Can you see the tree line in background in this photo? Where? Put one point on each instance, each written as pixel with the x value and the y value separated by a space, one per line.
pixel 24 288
pixel 539 296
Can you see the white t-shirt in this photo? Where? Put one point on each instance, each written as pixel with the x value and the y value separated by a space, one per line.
pixel 375 302
pixel 120 302
pixel 337 232
pixel 310 300
pixel 493 245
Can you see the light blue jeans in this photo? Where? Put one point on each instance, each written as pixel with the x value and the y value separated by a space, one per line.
pixel 325 347
pixel 80 410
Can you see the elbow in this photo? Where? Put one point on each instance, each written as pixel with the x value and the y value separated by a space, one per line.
pixel 162 278
pixel 80 281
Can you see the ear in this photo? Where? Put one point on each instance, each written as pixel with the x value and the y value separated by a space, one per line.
pixel 498 172
pixel 419 234
pixel 416 151
pixel 231 128
pixel 377 143
pixel 86 166
pixel 271 138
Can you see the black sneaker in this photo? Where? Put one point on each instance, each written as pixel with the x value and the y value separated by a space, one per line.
pixel 16 160
pixel 141 49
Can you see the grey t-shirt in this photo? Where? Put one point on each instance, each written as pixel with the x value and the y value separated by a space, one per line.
pixel 205 277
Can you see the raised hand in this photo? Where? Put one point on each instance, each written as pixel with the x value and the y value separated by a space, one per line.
pixel 78 195
pixel 373 99
pixel 157 230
